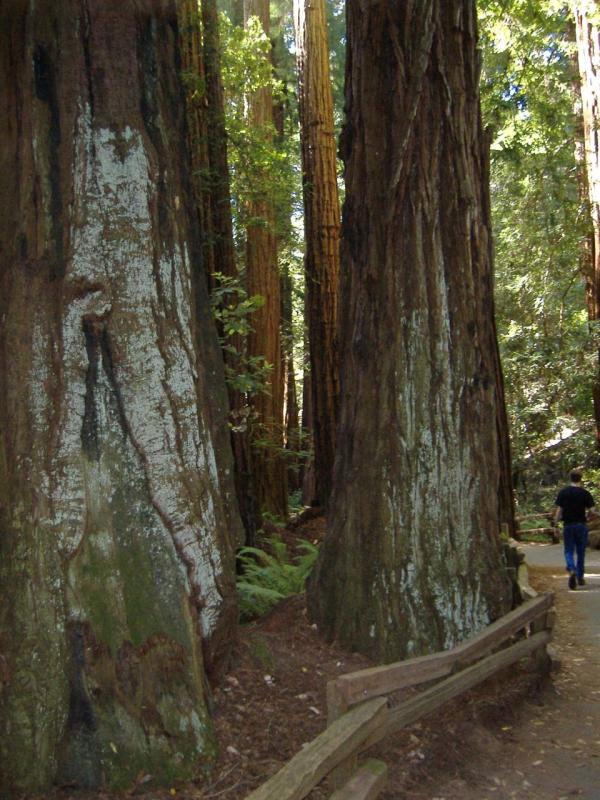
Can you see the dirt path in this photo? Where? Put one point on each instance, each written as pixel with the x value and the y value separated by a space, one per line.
pixel 551 750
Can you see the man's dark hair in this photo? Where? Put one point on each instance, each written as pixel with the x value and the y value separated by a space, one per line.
pixel 575 476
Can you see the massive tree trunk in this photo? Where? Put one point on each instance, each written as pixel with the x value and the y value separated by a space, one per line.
pixel 412 561
pixel 115 505
pixel 588 56
pixel 322 230
pixel 262 276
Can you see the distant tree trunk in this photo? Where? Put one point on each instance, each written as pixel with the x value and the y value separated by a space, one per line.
pixel 588 56
pixel 291 410
pixel 412 560
pixel 291 420
pixel 262 276
pixel 307 473
pixel 116 554
pixel 210 181
pixel 218 175
pixel 322 230
pixel 192 62
pixel 506 495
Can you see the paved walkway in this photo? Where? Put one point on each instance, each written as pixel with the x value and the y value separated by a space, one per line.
pixel 551 751
pixel 587 597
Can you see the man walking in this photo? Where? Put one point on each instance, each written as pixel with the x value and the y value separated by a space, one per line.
pixel 573 503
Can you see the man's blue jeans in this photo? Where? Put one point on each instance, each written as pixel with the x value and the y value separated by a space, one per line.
pixel 575 541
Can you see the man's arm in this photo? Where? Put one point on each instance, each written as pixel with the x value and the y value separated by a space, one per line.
pixel 557 515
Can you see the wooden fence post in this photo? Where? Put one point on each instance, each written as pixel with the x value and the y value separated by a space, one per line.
pixel 337 705
pixel 539 660
pixel 358 716
pixel 365 784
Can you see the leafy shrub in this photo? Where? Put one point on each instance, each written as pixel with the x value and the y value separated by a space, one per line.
pixel 269 576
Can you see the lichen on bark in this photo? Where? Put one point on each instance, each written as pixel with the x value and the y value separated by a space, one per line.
pixel 116 550
pixel 412 561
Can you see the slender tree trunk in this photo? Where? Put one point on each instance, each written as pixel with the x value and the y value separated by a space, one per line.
pixel 588 57
pixel 218 176
pixel 116 559
pixel 291 410
pixel 412 561
pixel 293 442
pixel 225 260
pixel 506 496
pixel 307 473
pixel 291 420
pixel 194 75
pixel 262 276
pixel 210 181
pixel 322 230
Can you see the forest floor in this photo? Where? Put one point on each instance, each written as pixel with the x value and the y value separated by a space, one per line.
pixel 517 736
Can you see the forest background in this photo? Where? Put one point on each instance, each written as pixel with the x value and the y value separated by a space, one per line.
pixel 542 223
pixel 118 470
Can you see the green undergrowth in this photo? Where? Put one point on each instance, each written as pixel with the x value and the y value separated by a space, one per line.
pixel 270 574
pixel 535 537
pixel 529 530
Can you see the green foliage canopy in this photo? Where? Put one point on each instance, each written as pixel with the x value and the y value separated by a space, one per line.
pixel 539 222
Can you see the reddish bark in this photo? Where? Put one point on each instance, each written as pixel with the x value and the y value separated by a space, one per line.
pixel 262 276
pixel 322 231
pixel 588 57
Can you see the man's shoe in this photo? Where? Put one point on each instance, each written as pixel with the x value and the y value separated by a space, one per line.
pixel 581 581
pixel 572 580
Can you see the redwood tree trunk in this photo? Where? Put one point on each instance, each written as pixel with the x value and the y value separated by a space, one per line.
pixel 412 561
pixel 588 56
pixel 307 473
pixel 262 276
pixel 194 75
pixel 506 495
pixel 116 513
pixel 293 438
pixel 210 182
pixel 322 230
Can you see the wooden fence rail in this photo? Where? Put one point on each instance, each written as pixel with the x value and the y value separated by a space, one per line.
pixel 359 716
pixel 376 681
pixel 549 515
pixel 547 530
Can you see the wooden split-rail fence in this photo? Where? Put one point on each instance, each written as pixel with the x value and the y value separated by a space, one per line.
pixel 359 714
pixel 549 529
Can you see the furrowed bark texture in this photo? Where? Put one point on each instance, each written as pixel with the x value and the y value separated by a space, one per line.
pixel 412 561
pixel 115 494
pixel 588 57
pixel 262 277
pixel 322 229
